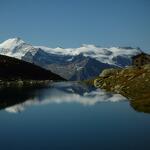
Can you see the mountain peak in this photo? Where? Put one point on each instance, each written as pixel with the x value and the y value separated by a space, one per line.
pixel 11 43
pixel 17 39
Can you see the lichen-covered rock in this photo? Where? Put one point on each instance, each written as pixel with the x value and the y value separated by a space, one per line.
pixel 146 67
pixel 109 72
pixel 132 82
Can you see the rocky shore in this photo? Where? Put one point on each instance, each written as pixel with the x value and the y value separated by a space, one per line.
pixel 24 83
pixel 131 82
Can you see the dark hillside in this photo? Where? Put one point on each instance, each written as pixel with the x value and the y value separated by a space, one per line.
pixel 13 69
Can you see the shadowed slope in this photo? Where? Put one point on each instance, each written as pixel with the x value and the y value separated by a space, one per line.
pixel 12 69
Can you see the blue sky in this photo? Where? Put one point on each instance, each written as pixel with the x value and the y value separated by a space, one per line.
pixel 70 23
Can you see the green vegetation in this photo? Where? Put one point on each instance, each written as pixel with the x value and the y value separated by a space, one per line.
pixel 131 82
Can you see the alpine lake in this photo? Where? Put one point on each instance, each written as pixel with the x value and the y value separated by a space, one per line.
pixel 70 116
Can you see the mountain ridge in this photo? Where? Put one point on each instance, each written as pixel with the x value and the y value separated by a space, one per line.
pixel 85 49
pixel 67 62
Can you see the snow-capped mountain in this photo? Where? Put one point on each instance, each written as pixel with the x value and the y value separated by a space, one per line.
pixel 105 55
pixel 71 63
pixel 15 47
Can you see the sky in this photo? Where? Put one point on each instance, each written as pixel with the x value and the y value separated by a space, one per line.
pixel 71 23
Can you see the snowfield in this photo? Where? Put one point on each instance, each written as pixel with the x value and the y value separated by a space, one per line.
pixel 17 48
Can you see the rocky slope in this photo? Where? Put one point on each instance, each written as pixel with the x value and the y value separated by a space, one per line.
pixel 76 68
pixel 131 82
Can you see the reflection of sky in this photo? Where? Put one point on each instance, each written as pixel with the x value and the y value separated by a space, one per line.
pixel 67 93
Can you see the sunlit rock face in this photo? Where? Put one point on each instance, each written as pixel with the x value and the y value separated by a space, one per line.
pixel 84 62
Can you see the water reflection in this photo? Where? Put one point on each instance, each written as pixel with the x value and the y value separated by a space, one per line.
pixel 17 100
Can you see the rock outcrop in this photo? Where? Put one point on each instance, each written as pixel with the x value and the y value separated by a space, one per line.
pixel 131 82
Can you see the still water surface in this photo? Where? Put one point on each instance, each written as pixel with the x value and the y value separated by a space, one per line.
pixel 70 116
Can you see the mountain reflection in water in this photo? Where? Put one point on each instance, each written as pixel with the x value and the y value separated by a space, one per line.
pixel 16 100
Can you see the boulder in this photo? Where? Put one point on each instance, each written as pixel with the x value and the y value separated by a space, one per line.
pixel 109 72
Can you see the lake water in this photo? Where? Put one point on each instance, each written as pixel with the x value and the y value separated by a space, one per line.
pixel 70 116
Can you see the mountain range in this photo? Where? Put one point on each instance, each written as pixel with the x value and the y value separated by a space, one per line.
pixel 80 63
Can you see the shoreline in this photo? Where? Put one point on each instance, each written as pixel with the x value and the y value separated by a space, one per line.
pixel 24 83
pixel 131 82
